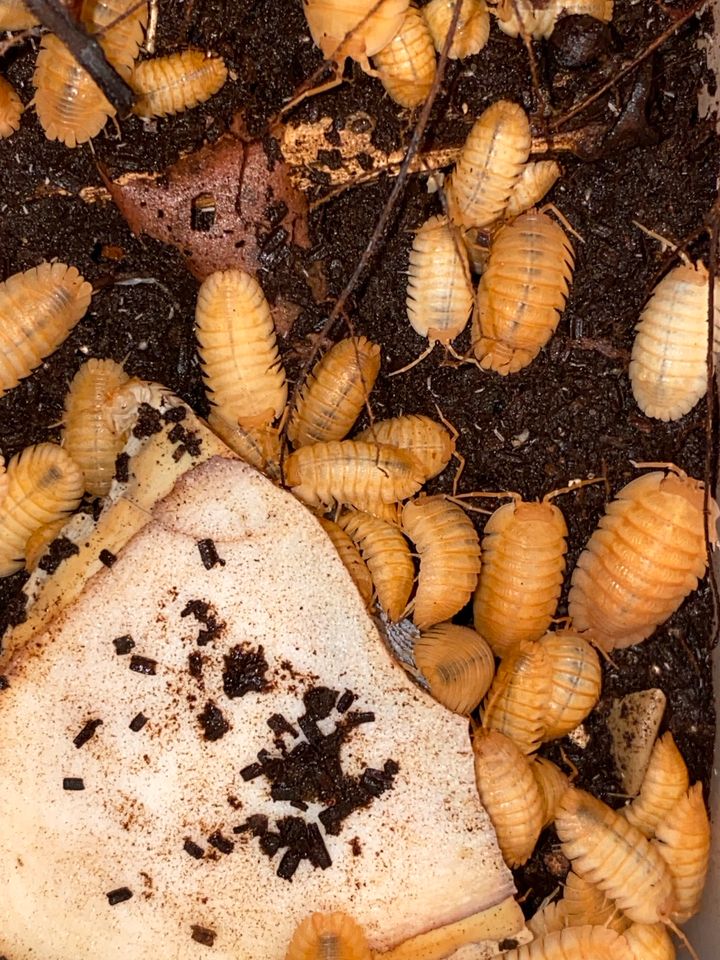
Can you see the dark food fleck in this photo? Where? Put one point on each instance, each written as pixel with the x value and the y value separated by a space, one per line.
pixel 87 733
pixel 220 842
pixel 257 824
pixel 174 414
pixel 123 644
pixel 249 773
pixel 138 722
pixel 107 558
pixel 213 722
pixel 143 665
pixel 179 452
pixel 4 683
pixel 209 554
pixel 148 422
pixel 122 467
pixel 177 433
pixel 245 670
pixel 355 846
pixel 73 783
pixel 319 702
pixel 60 549
pixel 196 608
pixel 16 610
pixel 195 665
pixel 345 702
pixel 118 896
pixel 279 725
pixel 193 849
pixel 203 935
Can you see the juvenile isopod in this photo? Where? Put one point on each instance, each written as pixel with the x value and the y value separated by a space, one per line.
pixel 335 392
pixel 552 783
pixel 516 704
pixel 536 179
pixel 612 854
pixel 449 549
pixel 472 29
pixel 665 783
pixel 39 541
pixel 238 350
pixel 87 436
pixel 14 15
pixel 645 557
pixel 683 842
pixel 537 20
pixel 430 443
pixel 574 943
pixel 351 559
pixel 181 81
pixel 668 367
pixel 354 28
pixel 354 473
pixel 11 108
pixel 457 664
pixel 43 485
pixel 509 793
pixel 575 680
pixel 258 446
pixel 328 936
pixel 406 66
pixel 387 555
pixel 522 292
pixel 584 904
pixel 649 942
pixel 38 309
pixel 490 164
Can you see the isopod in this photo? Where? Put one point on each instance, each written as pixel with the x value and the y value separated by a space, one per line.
pixel 490 163
pixel 666 781
pixel 552 783
pixel 351 559
pixel 439 292
pixel 509 793
pixel 120 26
pixel 181 81
pixel 584 903
pixel 87 437
pixel 354 28
pixel 612 854
pixel 406 66
pixel 38 309
pixel 238 350
pixel 258 446
pixel 668 367
pixel 536 179
pixel 354 473
pixel 472 29
pixel 335 392
pixel 645 557
pixel 43 485
pixel 516 704
pixel 11 108
pixel 40 540
pixel 328 936
pixel 449 549
pixel 574 943
pixel 387 555
pixel 575 679
pixel 649 942
pixel 457 664
pixel 427 440
pixel 548 919
pixel 14 15
pixel 537 20
pixel 683 842
pixel 522 292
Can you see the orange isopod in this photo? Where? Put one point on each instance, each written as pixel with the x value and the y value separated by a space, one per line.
pixel 649 942
pixel 536 179
pixel 584 904
pixel 574 943
pixel 258 446
pixel 87 436
pixel 406 66
pixel 472 29
pixel 490 163
pixel 38 309
pixel 328 936
pixel 516 704
pixel 612 854
pixel 238 350
pixel 535 20
pixel 350 472
pixel 350 556
pixel 665 783
pixel 683 841
pixel 11 108
pixel 120 27
pixel 39 541
pixel 335 392
pixel 522 292
pixel 552 783
pixel 668 367
pixel 449 549
pixel 457 664
pixel 575 681
pixel 14 15
pixel 387 555
pixel 509 793
pixel 427 440
pixel 354 28
pixel 548 919
pixel 181 81
pixel 645 557
pixel 43 485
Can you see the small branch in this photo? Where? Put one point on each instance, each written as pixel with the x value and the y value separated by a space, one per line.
pixel 86 50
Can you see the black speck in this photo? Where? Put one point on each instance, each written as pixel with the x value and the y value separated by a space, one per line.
pixel 60 549
pixel 245 670
pixel 177 433
pixel 73 783
pixel 143 665
pixel 175 414
pixel 193 849
pixel 123 644
pixel 87 733
pixel 4 683
pixel 279 725
pixel 107 558
pixel 195 665
pixel 356 717
pixel 148 422
pixel 319 702
pixel 203 935
pixel 355 847
pixel 193 443
pixel 213 722
pixel 118 896
pixel 179 452
pixel 138 722
pixel 289 863
pixel 196 608
pixel 220 842
pixel 317 851
pixel 209 554
pixel 257 824
pixel 16 610
pixel 345 702
pixel 251 772
pixel 122 467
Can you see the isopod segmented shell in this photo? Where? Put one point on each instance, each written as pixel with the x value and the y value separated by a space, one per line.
pixel 406 66
pixel 649 942
pixel 575 680
pixel 584 903
pixel 39 541
pixel 351 559
pixel 536 179
pixel 11 108
pixel 574 943
pixel 258 446
pixel 548 919
pixel 38 309
pixel 181 81
pixel 120 27
pixel 665 783
pixel 683 842
pixel 552 783
pixel 328 936
pixel 538 20
pixel 353 28
pixel 516 704
pixel 457 663
pixel 472 29
pixel 427 440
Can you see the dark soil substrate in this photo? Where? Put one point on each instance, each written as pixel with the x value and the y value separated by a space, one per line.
pixel 573 405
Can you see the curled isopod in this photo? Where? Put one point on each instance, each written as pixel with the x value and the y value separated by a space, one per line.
pixel 472 29
pixel 523 563
pixel 43 485
pixel 238 350
pixel 39 541
pixel 509 793
pixel 575 680
pixel 645 557
pixel 490 163
pixel 14 15
pixel 665 783
pixel 574 943
pixel 350 556
pixel 668 367
pixel 548 919
pixel 449 549
pixel 612 854
pixel 11 108
pixel 328 936
pixel 406 66
pixel 537 20
pixel 335 392
pixel 355 473
pixel 552 783
pixel 181 81
pixel 536 179
pixel 584 904
pixel 649 942
pixel 38 309
pixel 427 440
pixel 354 28
pixel 516 704
pixel 522 292
pixel 683 842
pixel 258 446
pixel 387 555
pixel 87 436
pixel 457 664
